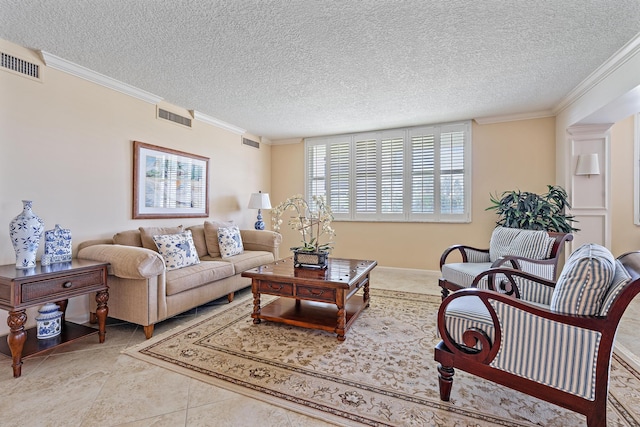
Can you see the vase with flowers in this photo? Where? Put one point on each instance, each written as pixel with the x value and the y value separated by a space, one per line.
pixel 313 222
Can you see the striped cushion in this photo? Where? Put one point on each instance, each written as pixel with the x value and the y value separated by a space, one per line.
pixel 620 280
pixel 534 244
pixel 584 281
pixel 463 273
pixel 468 312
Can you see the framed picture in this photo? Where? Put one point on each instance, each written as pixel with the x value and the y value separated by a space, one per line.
pixel 169 183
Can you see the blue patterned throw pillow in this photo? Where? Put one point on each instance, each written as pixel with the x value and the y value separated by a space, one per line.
pixel 229 241
pixel 177 250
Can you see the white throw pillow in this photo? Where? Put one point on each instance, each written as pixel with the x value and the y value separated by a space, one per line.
pixel 177 250
pixel 229 241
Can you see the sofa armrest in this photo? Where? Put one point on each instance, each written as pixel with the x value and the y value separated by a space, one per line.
pixel 127 262
pixel 261 240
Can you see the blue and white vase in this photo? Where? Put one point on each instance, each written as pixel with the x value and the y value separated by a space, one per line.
pixel 25 231
pixel 49 321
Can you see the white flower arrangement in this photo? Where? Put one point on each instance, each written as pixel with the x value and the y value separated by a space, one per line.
pixel 312 224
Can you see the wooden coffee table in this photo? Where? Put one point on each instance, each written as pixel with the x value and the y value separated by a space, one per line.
pixel 325 299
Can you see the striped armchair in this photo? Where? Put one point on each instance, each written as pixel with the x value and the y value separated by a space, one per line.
pixel 482 331
pixel 533 251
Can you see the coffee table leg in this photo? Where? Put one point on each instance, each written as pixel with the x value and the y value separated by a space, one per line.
pixel 341 321
pixel 16 338
pixel 365 293
pixel 256 308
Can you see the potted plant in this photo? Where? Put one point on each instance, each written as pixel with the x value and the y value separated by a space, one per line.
pixel 312 225
pixel 531 211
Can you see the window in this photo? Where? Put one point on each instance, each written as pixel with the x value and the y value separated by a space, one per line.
pixel 413 174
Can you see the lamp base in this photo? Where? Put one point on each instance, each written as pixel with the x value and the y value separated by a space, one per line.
pixel 259 225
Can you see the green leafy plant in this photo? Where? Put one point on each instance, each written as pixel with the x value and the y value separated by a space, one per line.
pixel 531 211
pixel 311 223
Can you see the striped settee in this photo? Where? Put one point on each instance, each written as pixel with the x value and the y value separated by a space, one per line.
pixel 514 342
pixel 534 251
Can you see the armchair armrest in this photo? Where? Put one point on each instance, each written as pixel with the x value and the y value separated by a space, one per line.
pixel 468 253
pixel 127 262
pixel 509 283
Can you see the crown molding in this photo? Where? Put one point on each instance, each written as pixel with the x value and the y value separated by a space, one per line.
pixel 618 59
pixel 599 129
pixel 514 117
pixel 69 67
pixel 219 123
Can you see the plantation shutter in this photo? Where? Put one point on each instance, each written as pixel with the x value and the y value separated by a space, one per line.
pixel 366 166
pixel 391 175
pixel 339 184
pixel 316 170
pixel 423 173
pixel 452 172
pixel 413 174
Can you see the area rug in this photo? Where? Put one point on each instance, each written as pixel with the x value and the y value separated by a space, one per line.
pixel 383 374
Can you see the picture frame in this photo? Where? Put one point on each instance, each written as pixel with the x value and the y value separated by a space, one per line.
pixel 169 183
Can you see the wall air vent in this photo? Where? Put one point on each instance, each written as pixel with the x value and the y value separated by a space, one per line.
pixel 250 143
pixel 168 115
pixel 19 66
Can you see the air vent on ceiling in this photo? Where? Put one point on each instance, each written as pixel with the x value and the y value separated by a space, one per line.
pixel 168 115
pixel 250 143
pixel 20 66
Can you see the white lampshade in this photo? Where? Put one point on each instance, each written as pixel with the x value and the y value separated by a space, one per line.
pixel 259 201
pixel 588 164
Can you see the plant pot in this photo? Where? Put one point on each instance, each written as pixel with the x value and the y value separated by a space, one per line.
pixel 306 259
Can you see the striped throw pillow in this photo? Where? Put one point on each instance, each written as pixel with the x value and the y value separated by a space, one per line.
pixel 584 281
pixel 534 244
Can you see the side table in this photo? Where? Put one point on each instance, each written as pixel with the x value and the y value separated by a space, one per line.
pixel 21 289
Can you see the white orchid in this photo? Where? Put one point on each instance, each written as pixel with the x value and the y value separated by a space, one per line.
pixel 310 223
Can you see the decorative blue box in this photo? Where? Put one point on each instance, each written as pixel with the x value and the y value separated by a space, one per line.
pixel 57 246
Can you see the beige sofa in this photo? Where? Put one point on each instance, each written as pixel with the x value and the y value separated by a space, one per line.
pixel 143 291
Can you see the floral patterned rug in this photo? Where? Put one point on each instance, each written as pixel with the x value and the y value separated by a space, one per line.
pixel 383 374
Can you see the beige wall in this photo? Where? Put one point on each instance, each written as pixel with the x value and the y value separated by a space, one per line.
pixel 66 144
pixel 506 156
pixel 625 235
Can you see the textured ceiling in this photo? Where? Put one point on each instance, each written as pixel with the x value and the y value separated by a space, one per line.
pixel 284 69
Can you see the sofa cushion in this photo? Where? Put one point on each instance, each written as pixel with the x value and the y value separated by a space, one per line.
pixel 177 250
pixel 129 238
pixel 229 241
pixel 584 281
pixel 197 275
pixel 147 233
pixel 250 259
pixel 197 232
pixel 533 244
pixel 211 235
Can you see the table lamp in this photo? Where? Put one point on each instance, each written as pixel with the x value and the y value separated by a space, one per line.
pixel 259 201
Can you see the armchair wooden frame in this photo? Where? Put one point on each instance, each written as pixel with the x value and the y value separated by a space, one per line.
pixel 478 351
pixel 466 252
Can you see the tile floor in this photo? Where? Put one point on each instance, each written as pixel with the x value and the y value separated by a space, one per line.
pixel 89 384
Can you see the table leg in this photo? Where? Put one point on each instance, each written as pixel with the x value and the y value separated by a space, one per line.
pixel 341 321
pixel 101 312
pixel 256 308
pixel 365 292
pixel 16 338
pixel 63 308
